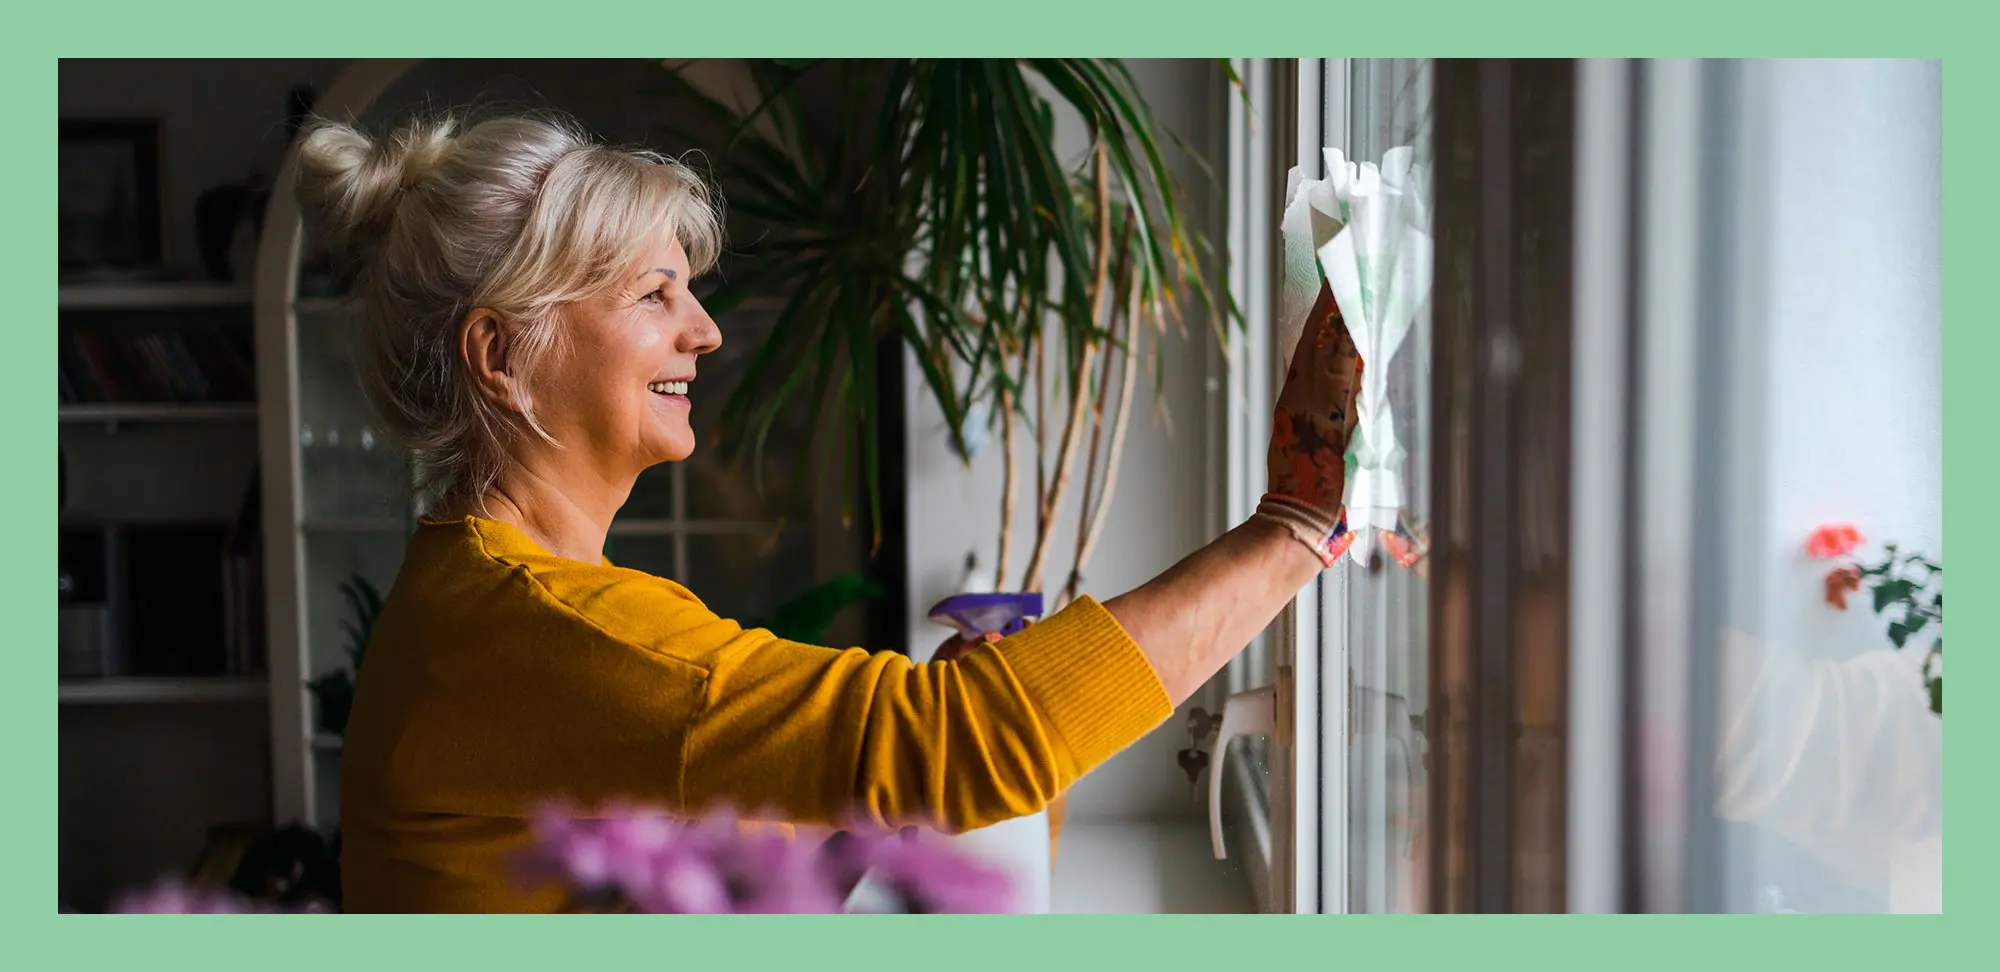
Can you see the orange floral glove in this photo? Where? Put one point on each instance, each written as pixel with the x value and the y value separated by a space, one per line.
pixel 1307 464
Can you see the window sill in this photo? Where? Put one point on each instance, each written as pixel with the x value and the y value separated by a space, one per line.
pixel 1127 867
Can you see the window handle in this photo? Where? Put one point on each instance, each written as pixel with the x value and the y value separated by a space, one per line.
pixel 1252 713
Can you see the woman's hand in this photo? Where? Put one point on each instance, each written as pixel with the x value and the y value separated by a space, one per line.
pixel 1191 619
pixel 1315 413
pixel 957 647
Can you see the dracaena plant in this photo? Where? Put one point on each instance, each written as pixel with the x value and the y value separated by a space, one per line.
pixel 925 201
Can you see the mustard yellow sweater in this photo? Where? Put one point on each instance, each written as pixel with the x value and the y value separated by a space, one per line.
pixel 501 676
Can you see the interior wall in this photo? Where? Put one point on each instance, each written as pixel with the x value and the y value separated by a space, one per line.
pixel 1844 175
pixel 220 120
pixel 140 784
pixel 1158 513
pixel 1857 384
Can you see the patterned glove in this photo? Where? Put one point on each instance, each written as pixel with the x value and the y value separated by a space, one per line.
pixel 1307 463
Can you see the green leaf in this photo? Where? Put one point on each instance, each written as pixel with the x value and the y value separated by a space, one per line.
pixel 806 617
pixel 1898 633
pixel 1892 591
pixel 953 227
pixel 1937 695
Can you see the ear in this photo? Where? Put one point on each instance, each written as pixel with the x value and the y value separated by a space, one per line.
pixel 482 344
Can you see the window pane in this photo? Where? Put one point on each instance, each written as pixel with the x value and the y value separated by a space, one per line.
pixel 653 495
pixel 721 484
pixel 1385 603
pixel 650 553
pixel 745 576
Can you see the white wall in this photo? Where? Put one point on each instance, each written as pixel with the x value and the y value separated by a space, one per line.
pixel 1158 512
pixel 1856 408
pixel 1845 194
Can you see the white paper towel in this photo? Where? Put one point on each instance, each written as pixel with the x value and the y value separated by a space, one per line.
pixel 1364 230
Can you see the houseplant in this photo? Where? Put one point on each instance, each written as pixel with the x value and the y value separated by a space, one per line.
pixel 333 690
pixel 927 203
pixel 1905 589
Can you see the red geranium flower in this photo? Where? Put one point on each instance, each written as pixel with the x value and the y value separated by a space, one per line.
pixel 1839 581
pixel 1833 540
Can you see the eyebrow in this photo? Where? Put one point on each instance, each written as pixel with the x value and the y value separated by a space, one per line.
pixel 662 271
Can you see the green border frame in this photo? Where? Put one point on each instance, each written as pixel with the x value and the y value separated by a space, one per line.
pixel 35 37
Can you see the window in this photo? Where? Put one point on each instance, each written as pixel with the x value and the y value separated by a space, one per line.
pixel 1373 661
pixel 705 524
pixel 1342 780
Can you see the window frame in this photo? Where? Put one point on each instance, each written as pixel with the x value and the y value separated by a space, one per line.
pixel 1278 819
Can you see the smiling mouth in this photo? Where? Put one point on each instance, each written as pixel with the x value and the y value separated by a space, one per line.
pixel 673 388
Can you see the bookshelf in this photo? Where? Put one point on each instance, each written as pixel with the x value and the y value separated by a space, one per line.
pixel 116 412
pixel 160 690
pixel 148 296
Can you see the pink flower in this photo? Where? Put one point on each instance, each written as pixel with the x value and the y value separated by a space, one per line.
pixel 1833 540
pixel 638 859
pixel 176 898
pixel 932 879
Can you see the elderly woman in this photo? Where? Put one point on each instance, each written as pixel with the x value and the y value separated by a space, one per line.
pixel 531 337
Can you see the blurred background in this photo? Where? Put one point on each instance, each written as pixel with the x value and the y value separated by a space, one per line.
pixel 1650 621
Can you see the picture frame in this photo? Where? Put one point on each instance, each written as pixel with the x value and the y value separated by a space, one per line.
pixel 109 197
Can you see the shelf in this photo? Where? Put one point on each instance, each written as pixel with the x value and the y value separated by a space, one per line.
pixel 150 296
pixel 321 305
pixel 159 412
pixel 112 691
pixel 327 742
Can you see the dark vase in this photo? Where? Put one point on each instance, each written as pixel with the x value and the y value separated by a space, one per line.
pixel 226 219
pixel 334 695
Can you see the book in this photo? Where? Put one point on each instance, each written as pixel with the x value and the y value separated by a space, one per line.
pixel 197 383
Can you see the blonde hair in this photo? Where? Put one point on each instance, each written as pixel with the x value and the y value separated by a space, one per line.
pixel 522 215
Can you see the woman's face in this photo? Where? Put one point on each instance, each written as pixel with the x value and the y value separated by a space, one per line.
pixel 617 389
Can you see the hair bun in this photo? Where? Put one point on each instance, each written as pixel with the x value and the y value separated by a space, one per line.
pixel 351 183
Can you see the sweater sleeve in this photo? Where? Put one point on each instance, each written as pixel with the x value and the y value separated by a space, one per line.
pixel 825 736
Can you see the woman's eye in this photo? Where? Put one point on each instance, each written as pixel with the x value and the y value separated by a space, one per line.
pixel 658 296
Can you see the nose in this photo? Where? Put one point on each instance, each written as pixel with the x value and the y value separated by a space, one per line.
pixel 703 334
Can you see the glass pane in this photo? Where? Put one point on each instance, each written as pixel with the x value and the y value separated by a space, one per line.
pixel 333 559
pixel 355 494
pixel 1386 604
pixel 744 576
pixel 652 496
pixel 651 554
pixel 352 475
pixel 721 485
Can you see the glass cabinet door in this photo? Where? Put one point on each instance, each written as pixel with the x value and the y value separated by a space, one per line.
pixel 357 514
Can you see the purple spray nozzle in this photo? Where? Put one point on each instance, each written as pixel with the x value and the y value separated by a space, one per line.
pixel 975 614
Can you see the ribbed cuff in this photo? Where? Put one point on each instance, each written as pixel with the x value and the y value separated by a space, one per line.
pixel 1089 679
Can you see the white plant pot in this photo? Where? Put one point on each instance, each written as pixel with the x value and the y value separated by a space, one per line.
pixel 1019 848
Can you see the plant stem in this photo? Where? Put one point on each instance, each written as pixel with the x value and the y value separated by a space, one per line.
pixel 1006 403
pixel 1079 383
pixel 1089 474
pixel 1093 524
pixel 1034 348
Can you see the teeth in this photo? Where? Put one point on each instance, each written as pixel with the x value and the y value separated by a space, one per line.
pixel 668 387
